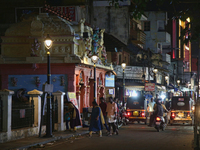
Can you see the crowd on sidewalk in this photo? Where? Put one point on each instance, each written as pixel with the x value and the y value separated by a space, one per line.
pixel 104 114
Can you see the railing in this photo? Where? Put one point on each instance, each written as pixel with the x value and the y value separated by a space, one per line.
pixel 22 115
pixel 138 36
pixel 1 114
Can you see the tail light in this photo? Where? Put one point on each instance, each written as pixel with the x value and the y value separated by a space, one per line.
pixel 143 114
pixel 158 119
pixel 173 115
pixel 128 113
pixel 188 114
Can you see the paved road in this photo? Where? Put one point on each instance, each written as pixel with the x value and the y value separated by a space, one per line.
pixel 132 137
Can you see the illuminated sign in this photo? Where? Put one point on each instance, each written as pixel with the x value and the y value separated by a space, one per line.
pixel 110 81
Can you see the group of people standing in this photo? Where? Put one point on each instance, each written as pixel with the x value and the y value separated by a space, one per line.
pixel 101 114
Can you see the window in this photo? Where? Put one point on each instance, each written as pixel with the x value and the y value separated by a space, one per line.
pixel 161 25
pixel 147 26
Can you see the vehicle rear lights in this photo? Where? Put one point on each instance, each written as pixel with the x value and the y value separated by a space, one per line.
pixel 128 113
pixel 173 115
pixel 188 114
pixel 157 118
pixel 143 114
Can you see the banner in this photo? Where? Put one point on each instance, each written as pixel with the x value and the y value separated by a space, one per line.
pixel 149 87
pixel 72 98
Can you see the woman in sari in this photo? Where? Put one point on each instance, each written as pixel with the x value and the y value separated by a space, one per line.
pixel 74 117
pixel 97 120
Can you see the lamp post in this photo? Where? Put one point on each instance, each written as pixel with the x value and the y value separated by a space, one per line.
pixel 155 72
pixel 123 67
pixel 94 60
pixel 178 81
pixel 48 43
pixel 166 79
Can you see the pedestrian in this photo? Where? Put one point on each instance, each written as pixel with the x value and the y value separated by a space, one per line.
pixel 67 118
pixel 117 117
pixel 116 101
pixel 150 106
pixel 168 107
pixel 75 116
pixel 103 106
pixel 111 115
pixel 97 120
pixel 159 109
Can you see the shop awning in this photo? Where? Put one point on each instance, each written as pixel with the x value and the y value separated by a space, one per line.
pixel 135 88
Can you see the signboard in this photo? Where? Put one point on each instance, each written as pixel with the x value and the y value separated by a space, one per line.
pixel 149 87
pixel 111 91
pixel 72 98
pixel 110 81
pixel 133 72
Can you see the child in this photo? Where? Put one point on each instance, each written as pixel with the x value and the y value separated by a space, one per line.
pixel 67 118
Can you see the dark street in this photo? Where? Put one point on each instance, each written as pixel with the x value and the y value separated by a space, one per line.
pixel 133 136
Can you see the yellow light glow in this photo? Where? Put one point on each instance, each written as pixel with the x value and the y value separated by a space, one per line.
pixel 180 22
pixel 123 65
pixel 188 19
pixel 178 81
pixel 187 48
pixel 155 70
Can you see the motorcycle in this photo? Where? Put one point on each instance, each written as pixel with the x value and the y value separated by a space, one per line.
pixel 122 118
pixel 160 123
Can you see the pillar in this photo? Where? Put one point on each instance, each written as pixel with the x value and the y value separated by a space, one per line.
pixel 60 98
pixel 35 95
pixel 6 97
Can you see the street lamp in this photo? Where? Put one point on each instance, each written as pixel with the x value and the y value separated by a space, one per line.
pixel 123 67
pixel 48 43
pixel 178 81
pixel 94 60
pixel 155 70
pixel 166 79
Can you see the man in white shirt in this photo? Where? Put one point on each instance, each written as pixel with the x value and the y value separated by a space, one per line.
pixel 150 110
pixel 150 106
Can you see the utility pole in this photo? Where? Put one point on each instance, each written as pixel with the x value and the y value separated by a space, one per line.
pixel 148 64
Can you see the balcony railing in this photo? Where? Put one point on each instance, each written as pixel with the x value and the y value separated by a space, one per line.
pixel 138 36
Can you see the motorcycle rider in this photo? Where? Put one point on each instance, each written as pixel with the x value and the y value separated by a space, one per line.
pixel 159 107
pixel 158 111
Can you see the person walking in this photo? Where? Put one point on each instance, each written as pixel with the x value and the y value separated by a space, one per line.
pixel 150 110
pixel 103 106
pixel 97 120
pixel 112 114
pixel 75 116
pixel 67 119
pixel 150 106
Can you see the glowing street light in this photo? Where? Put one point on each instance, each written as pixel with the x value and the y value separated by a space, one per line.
pixel 94 60
pixel 123 67
pixel 48 44
pixel 178 81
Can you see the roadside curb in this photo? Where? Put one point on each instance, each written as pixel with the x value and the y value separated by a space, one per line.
pixel 51 140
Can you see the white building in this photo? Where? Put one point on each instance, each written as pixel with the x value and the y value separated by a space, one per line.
pixel 155 29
